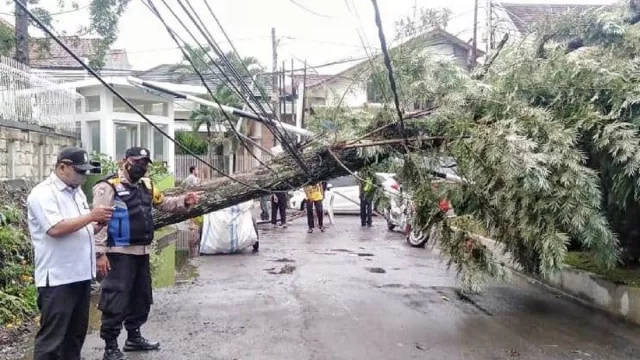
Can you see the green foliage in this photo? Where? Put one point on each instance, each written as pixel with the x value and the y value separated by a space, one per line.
pixel 17 290
pixel 7 40
pixel 192 141
pixel 547 142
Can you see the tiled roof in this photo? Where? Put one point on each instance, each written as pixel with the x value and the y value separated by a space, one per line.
pixel 525 16
pixel 427 39
pixel 57 57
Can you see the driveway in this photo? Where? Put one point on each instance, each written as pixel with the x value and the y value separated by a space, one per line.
pixel 363 293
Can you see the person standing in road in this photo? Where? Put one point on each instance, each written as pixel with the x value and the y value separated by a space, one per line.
pixel 62 229
pixel 279 204
pixel 192 179
pixel 194 224
pixel 123 248
pixel 366 206
pixel 314 197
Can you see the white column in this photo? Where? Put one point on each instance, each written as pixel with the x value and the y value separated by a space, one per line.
pixel 107 142
pixel 170 149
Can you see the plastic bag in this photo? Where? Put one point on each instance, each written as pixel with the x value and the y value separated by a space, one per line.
pixel 228 230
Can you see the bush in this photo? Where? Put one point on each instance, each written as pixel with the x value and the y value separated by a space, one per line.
pixel 17 290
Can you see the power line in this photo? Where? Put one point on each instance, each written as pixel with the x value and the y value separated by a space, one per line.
pixel 122 98
pixel 186 55
pixel 309 10
pixel 274 130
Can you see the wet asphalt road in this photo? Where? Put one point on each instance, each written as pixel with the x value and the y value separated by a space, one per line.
pixel 332 306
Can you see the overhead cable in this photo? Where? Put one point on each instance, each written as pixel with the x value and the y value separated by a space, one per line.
pixel 122 98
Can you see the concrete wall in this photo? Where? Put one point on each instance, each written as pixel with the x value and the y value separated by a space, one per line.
pixel 29 151
pixel 618 300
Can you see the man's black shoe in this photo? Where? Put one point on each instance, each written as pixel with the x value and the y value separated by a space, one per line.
pixel 112 352
pixel 136 342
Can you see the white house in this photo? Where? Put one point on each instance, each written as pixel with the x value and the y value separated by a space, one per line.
pixel 352 87
pixel 109 126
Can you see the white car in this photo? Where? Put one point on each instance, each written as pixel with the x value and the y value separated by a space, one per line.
pixel 343 194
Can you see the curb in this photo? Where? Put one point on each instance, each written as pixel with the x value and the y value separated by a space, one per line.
pixel 588 289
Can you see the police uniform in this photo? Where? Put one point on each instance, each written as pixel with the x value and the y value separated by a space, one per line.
pixel 126 293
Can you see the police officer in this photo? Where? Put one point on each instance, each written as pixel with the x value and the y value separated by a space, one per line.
pixel 62 227
pixel 123 248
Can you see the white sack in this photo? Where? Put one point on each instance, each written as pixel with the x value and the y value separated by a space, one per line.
pixel 228 230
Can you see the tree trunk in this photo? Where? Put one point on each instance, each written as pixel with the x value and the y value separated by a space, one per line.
pixel 22 35
pixel 224 192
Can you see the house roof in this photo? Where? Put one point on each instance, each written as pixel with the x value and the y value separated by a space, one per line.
pixel 58 58
pixel 437 33
pixel 171 73
pixel 525 16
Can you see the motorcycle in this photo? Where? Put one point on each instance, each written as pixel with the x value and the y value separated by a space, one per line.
pixel 400 215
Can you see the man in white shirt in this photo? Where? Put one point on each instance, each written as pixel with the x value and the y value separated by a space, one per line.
pixel 192 179
pixel 62 228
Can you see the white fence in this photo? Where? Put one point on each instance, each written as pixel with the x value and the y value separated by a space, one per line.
pixel 31 99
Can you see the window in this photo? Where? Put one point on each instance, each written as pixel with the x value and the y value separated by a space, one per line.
pixel 126 137
pixel 460 52
pixel 94 136
pixel 317 101
pixel 79 106
pixel 92 103
pixel 375 92
pixel 147 107
pixel 159 147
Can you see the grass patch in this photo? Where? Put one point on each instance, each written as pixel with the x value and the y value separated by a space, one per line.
pixel 621 276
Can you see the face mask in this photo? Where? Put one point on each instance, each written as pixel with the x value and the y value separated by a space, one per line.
pixel 77 179
pixel 136 172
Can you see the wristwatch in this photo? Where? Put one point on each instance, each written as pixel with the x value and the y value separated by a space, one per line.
pixel 99 255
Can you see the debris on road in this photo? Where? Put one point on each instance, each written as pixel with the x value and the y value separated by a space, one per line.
pixel 286 269
pixel 283 260
pixel 376 270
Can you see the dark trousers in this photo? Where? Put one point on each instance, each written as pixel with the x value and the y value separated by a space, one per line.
pixel 64 319
pixel 126 294
pixel 319 211
pixel 366 210
pixel 280 206
pixel 264 210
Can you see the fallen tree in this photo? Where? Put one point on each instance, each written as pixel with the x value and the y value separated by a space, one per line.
pixel 224 192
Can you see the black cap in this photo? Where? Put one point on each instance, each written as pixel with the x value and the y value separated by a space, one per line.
pixel 76 157
pixel 138 152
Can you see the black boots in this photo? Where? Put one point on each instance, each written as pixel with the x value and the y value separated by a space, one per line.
pixel 136 342
pixel 112 352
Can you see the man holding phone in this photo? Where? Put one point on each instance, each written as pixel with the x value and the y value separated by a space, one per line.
pixel 62 230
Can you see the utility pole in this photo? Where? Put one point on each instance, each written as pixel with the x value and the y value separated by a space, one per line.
pixel 275 95
pixel 474 43
pixel 22 34
pixel 489 25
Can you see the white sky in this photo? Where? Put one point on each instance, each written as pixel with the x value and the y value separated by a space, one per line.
pixel 329 35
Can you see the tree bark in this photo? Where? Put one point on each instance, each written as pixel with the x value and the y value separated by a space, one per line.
pixel 22 35
pixel 224 192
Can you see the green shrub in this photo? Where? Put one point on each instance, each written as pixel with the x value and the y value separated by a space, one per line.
pixel 17 290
